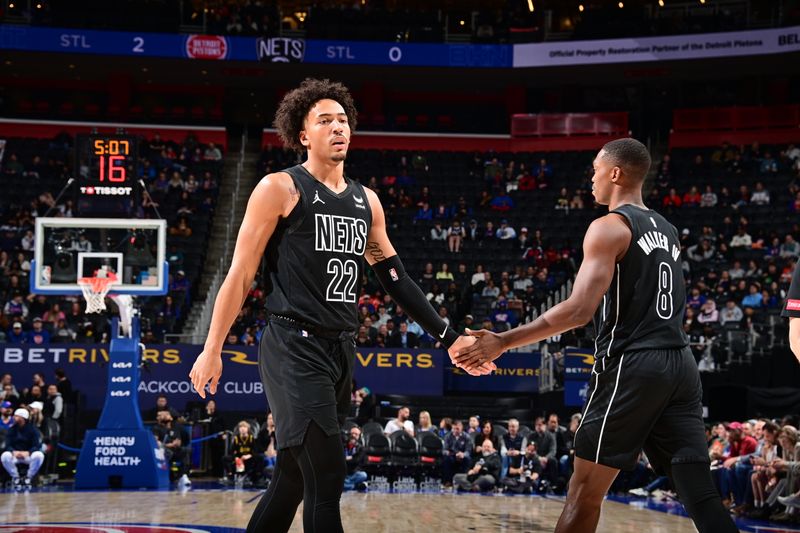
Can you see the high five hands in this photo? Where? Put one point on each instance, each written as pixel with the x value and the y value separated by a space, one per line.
pixel 475 352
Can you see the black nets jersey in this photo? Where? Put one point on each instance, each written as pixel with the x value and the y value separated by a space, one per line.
pixel 645 303
pixel 315 258
pixel 791 308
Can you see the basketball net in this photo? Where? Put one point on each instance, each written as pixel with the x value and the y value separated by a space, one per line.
pixel 95 288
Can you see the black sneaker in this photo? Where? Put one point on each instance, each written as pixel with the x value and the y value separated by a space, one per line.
pixel 16 484
pixel 26 483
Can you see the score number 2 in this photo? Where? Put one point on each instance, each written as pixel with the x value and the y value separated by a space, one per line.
pixel 138 45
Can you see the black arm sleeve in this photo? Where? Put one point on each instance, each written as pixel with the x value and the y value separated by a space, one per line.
pixel 792 307
pixel 408 295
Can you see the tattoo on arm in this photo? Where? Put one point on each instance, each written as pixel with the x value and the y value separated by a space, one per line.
pixel 374 250
pixel 294 194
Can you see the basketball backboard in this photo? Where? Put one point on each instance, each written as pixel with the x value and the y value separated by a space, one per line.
pixel 68 249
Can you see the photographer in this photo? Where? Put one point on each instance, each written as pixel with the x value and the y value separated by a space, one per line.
pixel 524 472
pixel 484 473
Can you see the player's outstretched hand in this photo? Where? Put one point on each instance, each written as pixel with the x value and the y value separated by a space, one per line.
pixel 207 367
pixel 487 347
pixel 478 370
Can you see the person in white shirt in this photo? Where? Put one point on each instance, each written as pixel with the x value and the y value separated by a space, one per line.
pixel 742 238
pixel 403 421
pixel 760 195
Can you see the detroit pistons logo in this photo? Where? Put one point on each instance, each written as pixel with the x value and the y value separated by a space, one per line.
pixel 115 528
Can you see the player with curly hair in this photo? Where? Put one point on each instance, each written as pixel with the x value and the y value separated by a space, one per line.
pixel 317 226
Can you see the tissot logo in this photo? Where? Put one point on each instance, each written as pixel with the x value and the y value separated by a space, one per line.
pixel 281 50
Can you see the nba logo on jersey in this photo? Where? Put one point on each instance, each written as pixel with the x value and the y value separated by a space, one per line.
pixel 393 274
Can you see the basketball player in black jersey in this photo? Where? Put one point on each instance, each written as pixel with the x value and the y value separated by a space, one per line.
pixel 645 386
pixel 791 310
pixel 317 227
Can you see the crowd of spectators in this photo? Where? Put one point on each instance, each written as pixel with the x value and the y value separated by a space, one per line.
pixel 31 420
pixel 754 462
pixel 182 180
pixel 737 208
pixel 374 20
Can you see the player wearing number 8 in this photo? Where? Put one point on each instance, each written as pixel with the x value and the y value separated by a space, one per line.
pixel 317 227
pixel 645 388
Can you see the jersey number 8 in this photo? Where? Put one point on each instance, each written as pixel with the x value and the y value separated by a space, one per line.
pixel 664 305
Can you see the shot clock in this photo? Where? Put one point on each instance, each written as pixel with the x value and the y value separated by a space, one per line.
pixel 107 170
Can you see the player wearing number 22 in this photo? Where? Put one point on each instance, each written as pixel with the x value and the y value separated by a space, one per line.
pixel 317 227
pixel 645 390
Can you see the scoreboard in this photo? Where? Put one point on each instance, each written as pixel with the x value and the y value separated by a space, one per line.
pixel 107 169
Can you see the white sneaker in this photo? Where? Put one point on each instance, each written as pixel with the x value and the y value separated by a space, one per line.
pixel 184 480
pixel 640 492
pixel 792 500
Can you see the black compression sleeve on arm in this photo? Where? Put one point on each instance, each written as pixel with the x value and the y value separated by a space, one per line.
pixel 409 296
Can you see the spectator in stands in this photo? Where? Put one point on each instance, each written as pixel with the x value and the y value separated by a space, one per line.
pixel 212 154
pixel 444 273
pixel 215 425
pixel 354 454
pixel 489 290
pixel 402 338
pixel 23 446
pixel 38 335
pixel 456 453
pixel 174 440
pixel 161 405
pixel 736 272
pixel 425 423
pixel 503 317
pixel 740 445
pixel 10 394
pixel 16 308
pixel 790 248
pixel 673 199
pixel 16 334
pixel 53 404
pixel 402 422
pixel 33 394
pixel 741 239
pixel 424 213
pixel 485 471
pixel 53 315
pixel 505 232
pixel 474 425
pixel 244 457
pixel 542 173
pixel 753 299
pixel 759 465
pixel 692 198
pixel 473 232
pixel 708 313
pixel 760 195
pixel 512 445
pixel 455 235
pixel 702 252
pixel 7 381
pixel 709 198
pixel 438 233
pixel 562 201
pixel 768 165
pixel 562 446
pixel 487 433
pixel 502 203
pixel 524 471
pixel 6 416
pixel 545 441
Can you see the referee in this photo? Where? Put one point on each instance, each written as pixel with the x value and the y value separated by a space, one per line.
pixel 317 226
pixel 792 311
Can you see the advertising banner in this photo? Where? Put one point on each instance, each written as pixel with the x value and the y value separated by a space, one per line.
pixel 648 49
pixel 516 373
pixel 165 370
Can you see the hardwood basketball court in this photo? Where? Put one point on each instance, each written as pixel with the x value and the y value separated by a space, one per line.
pixel 229 510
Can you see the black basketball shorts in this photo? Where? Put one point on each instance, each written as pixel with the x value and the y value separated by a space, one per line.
pixel 647 400
pixel 306 378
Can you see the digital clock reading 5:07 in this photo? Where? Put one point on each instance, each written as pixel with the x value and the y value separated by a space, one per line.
pixel 112 155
